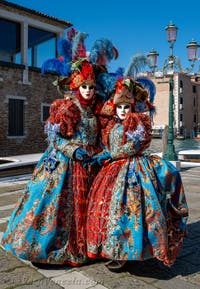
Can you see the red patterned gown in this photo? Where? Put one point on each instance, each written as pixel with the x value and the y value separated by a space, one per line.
pixel 136 206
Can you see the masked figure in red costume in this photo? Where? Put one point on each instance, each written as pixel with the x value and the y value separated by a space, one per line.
pixel 136 206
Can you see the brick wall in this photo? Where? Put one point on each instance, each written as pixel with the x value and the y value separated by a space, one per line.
pixel 39 90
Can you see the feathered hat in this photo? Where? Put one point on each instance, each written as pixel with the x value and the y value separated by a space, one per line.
pixel 137 93
pixel 127 90
pixel 82 73
pixel 124 91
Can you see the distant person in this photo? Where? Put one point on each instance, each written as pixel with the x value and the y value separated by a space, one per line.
pixel 136 206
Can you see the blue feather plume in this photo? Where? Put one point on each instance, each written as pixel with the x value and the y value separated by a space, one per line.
pixel 137 64
pixel 65 49
pixel 57 66
pixel 102 47
pixel 105 83
pixel 78 40
pixel 118 73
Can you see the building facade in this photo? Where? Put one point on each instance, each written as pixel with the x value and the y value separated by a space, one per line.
pixel 28 38
pixel 186 105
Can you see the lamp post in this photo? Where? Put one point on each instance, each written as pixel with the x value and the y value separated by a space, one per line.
pixel 170 153
pixel 171 30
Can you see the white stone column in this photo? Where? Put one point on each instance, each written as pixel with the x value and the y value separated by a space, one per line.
pixel 24 50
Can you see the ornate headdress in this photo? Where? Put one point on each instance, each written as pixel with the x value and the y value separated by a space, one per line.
pixel 124 91
pixel 138 93
pixel 130 91
pixel 127 90
pixel 82 73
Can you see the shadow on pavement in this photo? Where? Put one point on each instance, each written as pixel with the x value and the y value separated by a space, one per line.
pixel 187 263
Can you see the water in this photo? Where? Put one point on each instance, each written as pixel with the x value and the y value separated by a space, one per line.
pixel 186 144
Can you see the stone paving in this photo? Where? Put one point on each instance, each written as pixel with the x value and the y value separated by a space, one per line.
pixel 151 274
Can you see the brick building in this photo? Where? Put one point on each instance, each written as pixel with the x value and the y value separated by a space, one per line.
pixel 186 104
pixel 27 38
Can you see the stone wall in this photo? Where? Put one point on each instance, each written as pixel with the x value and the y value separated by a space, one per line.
pixel 38 90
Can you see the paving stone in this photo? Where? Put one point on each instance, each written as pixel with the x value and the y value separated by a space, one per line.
pixel 3 227
pixel 10 199
pixel 195 279
pixel 175 283
pixel 100 273
pixel 1 236
pixel 74 280
pixel 19 276
pixel 98 286
pixel 8 262
pixel 112 280
pixel 191 186
pixel 53 272
pixel 41 284
pixel 127 283
pixel 10 188
pixel 5 213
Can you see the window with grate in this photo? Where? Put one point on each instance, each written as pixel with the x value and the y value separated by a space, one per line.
pixel 45 112
pixel 194 101
pixel 16 117
pixel 194 89
pixel 181 86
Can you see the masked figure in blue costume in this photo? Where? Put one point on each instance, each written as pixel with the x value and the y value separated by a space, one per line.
pixel 48 222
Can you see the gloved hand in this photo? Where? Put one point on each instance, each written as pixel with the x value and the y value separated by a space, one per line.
pixel 98 158
pixel 80 154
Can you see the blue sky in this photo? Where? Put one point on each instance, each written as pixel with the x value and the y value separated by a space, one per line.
pixel 132 26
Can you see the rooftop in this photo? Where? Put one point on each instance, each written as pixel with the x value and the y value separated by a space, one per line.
pixel 8 5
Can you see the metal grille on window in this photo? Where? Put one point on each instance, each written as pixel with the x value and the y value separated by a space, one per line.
pixel 16 117
pixel 45 112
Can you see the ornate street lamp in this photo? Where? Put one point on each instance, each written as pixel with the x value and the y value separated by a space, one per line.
pixel 192 48
pixel 168 69
pixel 153 59
pixel 170 153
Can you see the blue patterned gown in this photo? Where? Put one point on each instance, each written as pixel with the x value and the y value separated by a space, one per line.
pixel 48 222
